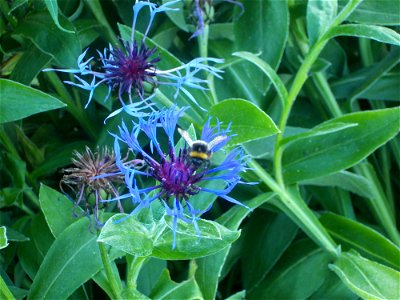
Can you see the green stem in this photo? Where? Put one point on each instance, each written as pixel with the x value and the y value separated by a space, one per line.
pixel 202 39
pixel 4 290
pixel 303 219
pixel 112 280
pixel 133 272
pixel 300 79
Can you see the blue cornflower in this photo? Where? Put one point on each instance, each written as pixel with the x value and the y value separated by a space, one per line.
pixel 177 176
pixel 132 69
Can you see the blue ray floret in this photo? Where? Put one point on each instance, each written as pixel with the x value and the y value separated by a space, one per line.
pixel 175 177
pixel 131 70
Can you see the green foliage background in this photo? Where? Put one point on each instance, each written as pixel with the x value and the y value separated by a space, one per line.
pixel 312 91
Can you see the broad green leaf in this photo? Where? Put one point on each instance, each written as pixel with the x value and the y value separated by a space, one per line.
pixel 210 267
pixel 382 12
pixel 300 271
pixel 333 288
pixel 57 209
pixel 266 238
pixel 323 155
pixel 29 65
pixel 130 236
pixel 368 242
pixel 136 238
pixel 15 236
pixel 248 121
pixel 320 14
pixel 263 28
pixel 42 31
pixel 214 237
pixel 149 275
pixel 52 6
pixel 15 96
pixel 378 33
pixel 348 181
pixel 72 260
pixel 268 70
pixel 367 278
pixel 3 237
pixel 238 296
pixel 178 17
pixel 165 288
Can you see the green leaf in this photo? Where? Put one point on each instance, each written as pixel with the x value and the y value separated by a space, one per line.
pixel 248 121
pixel 268 70
pixel 3 237
pixel 149 275
pixel 333 288
pixel 322 155
pixel 52 6
pixel 238 296
pixel 320 14
pixel 267 236
pixel 16 236
pixel 365 240
pixel 378 33
pixel 300 271
pixel 346 180
pixel 29 65
pixel 366 278
pixel 165 288
pixel 210 267
pixel 72 260
pixel 136 238
pixel 262 21
pixel 57 209
pixel 62 46
pixel 382 12
pixel 130 236
pixel 18 101
pixel 178 17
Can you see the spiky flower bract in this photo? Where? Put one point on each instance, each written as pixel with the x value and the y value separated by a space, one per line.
pixel 82 180
pixel 132 70
pixel 175 177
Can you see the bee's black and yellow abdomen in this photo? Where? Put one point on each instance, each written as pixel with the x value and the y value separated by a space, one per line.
pixel 196 154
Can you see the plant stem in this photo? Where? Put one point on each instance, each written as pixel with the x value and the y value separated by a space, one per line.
pixel 202 39
pixel 109 272
pixel 134 268
pixel 302 217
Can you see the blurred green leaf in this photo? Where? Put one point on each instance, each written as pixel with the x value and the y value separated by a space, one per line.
pixel 57 209
pixel 52 6
pixel 149 275
pixel 268 70
pixel 210 267
pixel 322 155
pixel 332 289
pixel 238 296
pixel 382 12
pixel 363 239
pixel 3 237
pixel 15 96
pixel 366 278
pixel 320 14
pixel 248 121
pixel 72 260
pixel 16 236
pixel 41 30
pixel 165 288
pixel 378 33
pixel 266 238
pixel 300 271
pixel 346 180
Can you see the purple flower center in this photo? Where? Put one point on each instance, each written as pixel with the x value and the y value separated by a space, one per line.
pixel 131 67
pixel 177 176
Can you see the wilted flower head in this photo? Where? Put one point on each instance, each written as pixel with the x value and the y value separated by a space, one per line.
pixel 176 175
pixel 82 180
pixel 132 69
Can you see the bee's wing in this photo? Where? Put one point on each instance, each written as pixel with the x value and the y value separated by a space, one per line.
pixel 185 136
pixel 219 139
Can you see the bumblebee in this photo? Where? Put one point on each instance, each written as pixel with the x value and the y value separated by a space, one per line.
pixel 200 151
